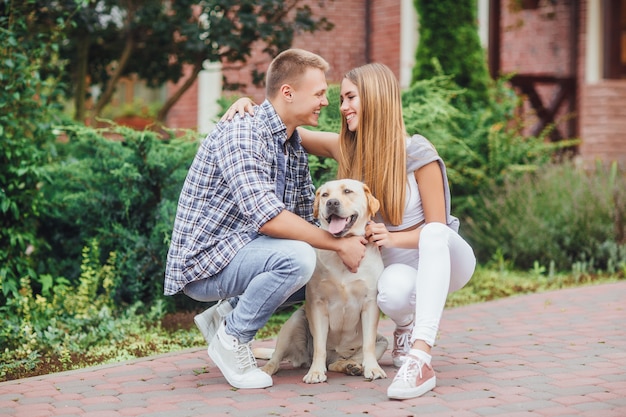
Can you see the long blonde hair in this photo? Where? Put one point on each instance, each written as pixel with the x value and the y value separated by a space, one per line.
pixel 376 152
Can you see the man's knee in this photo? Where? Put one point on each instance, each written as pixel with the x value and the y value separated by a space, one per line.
pixel 305 258
pixel 297 259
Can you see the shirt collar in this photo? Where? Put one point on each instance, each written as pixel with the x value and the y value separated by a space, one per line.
pixel 278 127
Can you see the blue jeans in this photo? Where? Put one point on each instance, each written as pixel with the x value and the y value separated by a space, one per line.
pixel 263 275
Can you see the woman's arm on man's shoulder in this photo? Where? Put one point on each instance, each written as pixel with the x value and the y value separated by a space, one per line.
pixel 320 143
pixel 325 144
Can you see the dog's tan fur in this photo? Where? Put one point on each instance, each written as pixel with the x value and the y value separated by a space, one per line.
pixel 337 326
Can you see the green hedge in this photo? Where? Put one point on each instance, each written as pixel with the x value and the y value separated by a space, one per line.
pixel 119 187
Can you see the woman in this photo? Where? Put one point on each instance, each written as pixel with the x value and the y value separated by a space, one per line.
pixel 424 256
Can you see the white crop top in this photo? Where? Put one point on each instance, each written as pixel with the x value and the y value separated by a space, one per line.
pixel 413 210
pixel 413 214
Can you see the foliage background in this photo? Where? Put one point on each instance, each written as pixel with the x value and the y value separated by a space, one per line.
pixel 454 48
pixel 154 40
pixel 86 214
pixel 118 187
pixel 27 113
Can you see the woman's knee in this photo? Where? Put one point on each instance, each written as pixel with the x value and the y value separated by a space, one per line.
pixel 434 235
pixel 394 284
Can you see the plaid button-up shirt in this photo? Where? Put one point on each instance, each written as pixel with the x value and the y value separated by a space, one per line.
pixel 230 193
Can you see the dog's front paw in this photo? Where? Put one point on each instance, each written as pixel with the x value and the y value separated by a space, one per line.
pixel 374 373
pixel 270 368
pixel 314 377
pixel 354 369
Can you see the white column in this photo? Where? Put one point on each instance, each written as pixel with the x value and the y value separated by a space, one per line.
pixel 209 91
pixel 483 23
pixel 593 55
pixel 409 39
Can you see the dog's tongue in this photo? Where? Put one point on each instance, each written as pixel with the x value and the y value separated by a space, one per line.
pixel 337 224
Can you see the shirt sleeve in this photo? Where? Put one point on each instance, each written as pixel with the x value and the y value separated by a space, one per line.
pixel 419 153
pixel 249 168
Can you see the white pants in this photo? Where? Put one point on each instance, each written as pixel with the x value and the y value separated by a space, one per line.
pixel 446 263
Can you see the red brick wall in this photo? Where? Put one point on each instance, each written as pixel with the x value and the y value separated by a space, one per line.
pixel 536 41
pixel 602 109
pixel 603 123
pixel 582 51
pixel 343 47
pixel 184 114
pixel 533 42
pixel 385 34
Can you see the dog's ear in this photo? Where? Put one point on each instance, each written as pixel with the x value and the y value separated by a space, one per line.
pixel 372 202
pixel 316 204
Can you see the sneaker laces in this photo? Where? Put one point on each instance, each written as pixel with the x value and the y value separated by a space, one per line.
pixel 245 358
pixel 410 369
pixel 402 342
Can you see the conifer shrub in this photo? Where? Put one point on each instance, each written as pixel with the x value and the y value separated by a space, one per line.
pixel 118 187
pixel 452 47
pixel 560 217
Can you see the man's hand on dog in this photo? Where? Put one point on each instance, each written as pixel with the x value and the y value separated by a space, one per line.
pixel 352 251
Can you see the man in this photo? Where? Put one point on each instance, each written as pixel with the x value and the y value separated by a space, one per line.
pixel 244 227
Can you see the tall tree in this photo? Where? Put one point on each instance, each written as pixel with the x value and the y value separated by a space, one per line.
pixel 449 39
pixel 155 39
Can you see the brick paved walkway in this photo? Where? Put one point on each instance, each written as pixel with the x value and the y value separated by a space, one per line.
pixel 559 353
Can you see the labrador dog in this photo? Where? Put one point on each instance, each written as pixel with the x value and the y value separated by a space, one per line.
pixel 337 326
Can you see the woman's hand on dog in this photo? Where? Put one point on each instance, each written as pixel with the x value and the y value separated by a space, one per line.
pixel 378 234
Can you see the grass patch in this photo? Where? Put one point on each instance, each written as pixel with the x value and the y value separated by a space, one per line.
pixel 175 332
pixel 491 284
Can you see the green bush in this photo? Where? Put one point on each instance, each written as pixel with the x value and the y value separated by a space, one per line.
pixel 118 187
pixel 486 145
pixel 561 217
pixel 325 169
pixel 27 102
pixel 60 318
pixel 65 326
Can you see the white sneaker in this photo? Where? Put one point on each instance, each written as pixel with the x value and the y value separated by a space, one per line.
pixel 415 378
pixel 209 320
pixel 236 361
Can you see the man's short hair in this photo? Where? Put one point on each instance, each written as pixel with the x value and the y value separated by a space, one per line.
pixel 289 66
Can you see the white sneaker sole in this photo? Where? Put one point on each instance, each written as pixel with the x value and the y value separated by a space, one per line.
pixel 264 381
pixel 406 393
